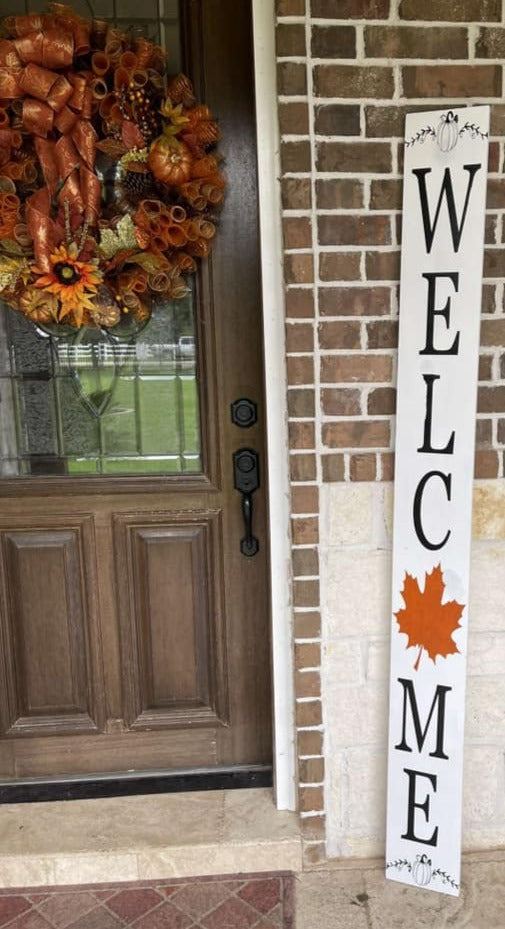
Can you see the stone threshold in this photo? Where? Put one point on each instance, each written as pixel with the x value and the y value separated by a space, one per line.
pixel 146 838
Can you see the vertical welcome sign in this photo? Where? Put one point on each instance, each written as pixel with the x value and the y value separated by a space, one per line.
pixel 441 280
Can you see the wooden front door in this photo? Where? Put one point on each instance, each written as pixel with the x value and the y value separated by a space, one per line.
pixel 133 631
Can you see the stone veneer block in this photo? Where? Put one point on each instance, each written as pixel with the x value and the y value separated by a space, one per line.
pixel 489 510
pixel 487 565
pixel 219 859
pixel 131 838
pixel 346 514
pixel 26 871
pixel 356 593
pixel 345 659
pixel 94 869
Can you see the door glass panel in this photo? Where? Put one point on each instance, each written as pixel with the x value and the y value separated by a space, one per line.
pixel 83 402
pixel 93 403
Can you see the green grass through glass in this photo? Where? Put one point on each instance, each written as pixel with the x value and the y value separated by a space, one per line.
pixel 150 426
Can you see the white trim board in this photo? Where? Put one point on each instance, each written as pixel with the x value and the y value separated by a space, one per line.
pixel 276 401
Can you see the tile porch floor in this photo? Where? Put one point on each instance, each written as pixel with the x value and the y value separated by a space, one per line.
pixel 351 895
pixel 238 902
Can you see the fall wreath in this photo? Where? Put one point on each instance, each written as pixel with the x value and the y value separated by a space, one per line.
pixel 108 187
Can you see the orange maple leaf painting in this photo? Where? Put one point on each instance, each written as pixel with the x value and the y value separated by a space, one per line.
pixel 427 621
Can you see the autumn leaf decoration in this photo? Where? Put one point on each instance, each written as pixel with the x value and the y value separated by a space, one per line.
pixel 427 621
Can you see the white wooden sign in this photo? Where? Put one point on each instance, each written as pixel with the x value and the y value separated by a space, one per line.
pixel 441 280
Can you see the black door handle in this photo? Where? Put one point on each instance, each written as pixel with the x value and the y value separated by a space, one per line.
pixel 247 479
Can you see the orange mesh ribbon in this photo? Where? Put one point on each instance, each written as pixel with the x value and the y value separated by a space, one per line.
pixel 22 25
pixel 70 162
pixel 46 234
pixel 46 85
pixel 9 214
pixel 38 117
pixel 10 71
pixel 51 49
pixel 30 67
pixel 60 19
pixel 9 139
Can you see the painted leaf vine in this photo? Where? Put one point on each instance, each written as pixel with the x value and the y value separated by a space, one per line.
pixel 426 620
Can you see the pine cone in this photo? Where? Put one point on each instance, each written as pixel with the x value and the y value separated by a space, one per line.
pixel 138 185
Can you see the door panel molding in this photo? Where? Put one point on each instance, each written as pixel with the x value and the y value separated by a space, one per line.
pixel 41 757
pixel 173 665
pixel 52 678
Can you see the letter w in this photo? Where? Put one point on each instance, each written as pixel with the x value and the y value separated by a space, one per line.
pixel 445 191
pixel 439 701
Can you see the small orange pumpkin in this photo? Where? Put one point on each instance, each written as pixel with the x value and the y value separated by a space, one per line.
pixel 170 164
pixel 39 307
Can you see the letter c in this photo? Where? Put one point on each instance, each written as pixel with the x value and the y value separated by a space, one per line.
pixel 418 500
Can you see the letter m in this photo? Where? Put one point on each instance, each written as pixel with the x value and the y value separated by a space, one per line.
pixel 446 191
pixel 409 700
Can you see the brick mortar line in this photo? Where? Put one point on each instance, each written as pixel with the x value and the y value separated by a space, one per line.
pixel 352 285
pixel 366 212
pixel 358 418
pixel 364 175
pixel 352 352
pixel 356 139
pixel 429 102
pixel 346 249
pixel 358 385
pixel 396 61
pixel 393 61
pixel 399 23
pixel 391 350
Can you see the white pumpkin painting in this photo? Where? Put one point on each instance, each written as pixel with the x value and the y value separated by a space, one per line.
pixel 447 131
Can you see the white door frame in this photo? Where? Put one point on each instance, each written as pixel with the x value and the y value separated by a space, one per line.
pixel 276 401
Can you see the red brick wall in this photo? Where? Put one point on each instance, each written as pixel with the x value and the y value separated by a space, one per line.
pixel 348 72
